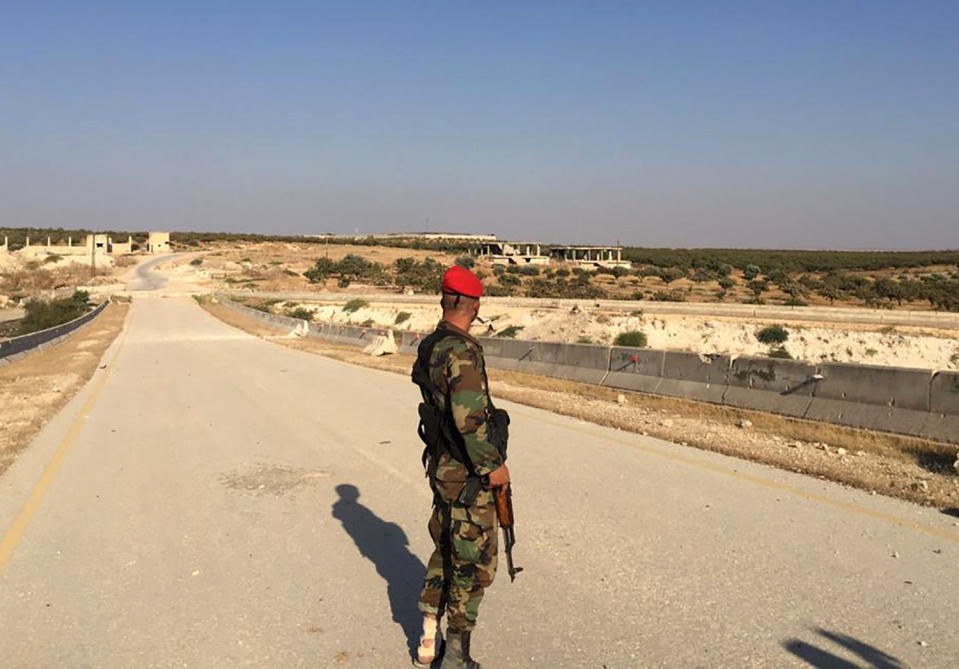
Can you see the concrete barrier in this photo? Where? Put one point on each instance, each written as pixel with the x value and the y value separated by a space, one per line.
pixel 578 362
pixel 407 342
pixel 767 384
pixel 943 422
pixel 637 369
pixel 15 348
pixel 698 377
pixel 511 354
pixel 891 399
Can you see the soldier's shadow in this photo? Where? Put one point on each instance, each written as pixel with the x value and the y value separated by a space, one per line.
pixel 386 546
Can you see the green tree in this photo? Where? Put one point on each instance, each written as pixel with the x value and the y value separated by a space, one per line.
pixel 670 274
pixel 323 269
pixel 758 286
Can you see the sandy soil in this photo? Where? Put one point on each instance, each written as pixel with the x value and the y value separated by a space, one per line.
pixel 912 469
pixel 275 266
pixel 903 347
pixel 42 277
pixel 34 388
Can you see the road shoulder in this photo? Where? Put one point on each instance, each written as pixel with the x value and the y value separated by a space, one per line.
pixel 35 388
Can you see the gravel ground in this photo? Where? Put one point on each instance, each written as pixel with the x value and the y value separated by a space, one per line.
pixel 35 387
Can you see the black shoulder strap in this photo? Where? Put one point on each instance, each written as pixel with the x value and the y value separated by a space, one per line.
pixel 424 352
pixel 421 368
pixel 422 378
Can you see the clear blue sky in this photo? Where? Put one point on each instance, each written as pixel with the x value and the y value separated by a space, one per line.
pixel 772 124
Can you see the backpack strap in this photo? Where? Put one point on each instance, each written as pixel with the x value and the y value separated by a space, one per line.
pixel 430 392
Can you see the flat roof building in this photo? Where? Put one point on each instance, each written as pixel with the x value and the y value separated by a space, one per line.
pixel 511 253
pixel 158 242
pixel 599 256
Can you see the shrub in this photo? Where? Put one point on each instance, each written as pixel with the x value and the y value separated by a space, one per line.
pixel 498 291
pixel 357 267
pixel 343 283
pixel 702 276
pixel 196 262
pixel 584 340
pixel 670 274
pixel 368 323
pixel 80 298
pixel 469 262
pixel 675 295
pixel 510 332
pixel 426 276
pixel 871 352
pixel 529 270
pixel 402 317
pixel 43 314
pixel 750 272
pixel 52 258
pixel 779 352
pixel 772 334
pixel 355 305
pixel 302 313
pixel 758 286
pixel 795 302
pixel 633 338
pixel 323 268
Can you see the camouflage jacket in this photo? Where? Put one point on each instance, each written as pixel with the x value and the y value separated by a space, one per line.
pixel 457 369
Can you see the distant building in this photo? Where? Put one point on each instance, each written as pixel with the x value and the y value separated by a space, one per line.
pixel 511 253
pixel 596 256
pixel 93 245
pixel 158 242
pixel 424 236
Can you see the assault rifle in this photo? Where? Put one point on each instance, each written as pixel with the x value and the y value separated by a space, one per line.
pixel 504 511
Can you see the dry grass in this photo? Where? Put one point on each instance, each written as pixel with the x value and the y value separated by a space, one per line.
pixel 914 469
pixel 35 388
pixel 279 266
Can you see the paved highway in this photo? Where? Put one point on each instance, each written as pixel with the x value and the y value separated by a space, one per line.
pixel 183 510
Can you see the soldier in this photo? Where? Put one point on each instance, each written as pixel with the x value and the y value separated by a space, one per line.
pixel 463 465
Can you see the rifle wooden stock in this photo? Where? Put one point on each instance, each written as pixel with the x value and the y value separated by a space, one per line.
pixel 503 498
pixel 504 506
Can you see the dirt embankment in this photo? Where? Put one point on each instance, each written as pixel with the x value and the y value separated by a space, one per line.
pixel 34 388
pixel 912 469
pixel 815 342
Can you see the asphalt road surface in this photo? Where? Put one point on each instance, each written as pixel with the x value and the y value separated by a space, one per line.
pixel 183 510
pixel 147 278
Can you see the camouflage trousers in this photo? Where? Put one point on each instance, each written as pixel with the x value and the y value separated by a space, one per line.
pixel 463 562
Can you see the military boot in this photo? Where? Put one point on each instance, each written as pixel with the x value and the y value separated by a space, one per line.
pixel 457 655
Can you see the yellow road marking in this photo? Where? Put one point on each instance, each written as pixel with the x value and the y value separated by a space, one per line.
pixel 19 525
pixel 719 469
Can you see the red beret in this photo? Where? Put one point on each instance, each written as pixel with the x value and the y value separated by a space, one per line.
pixel 461 281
